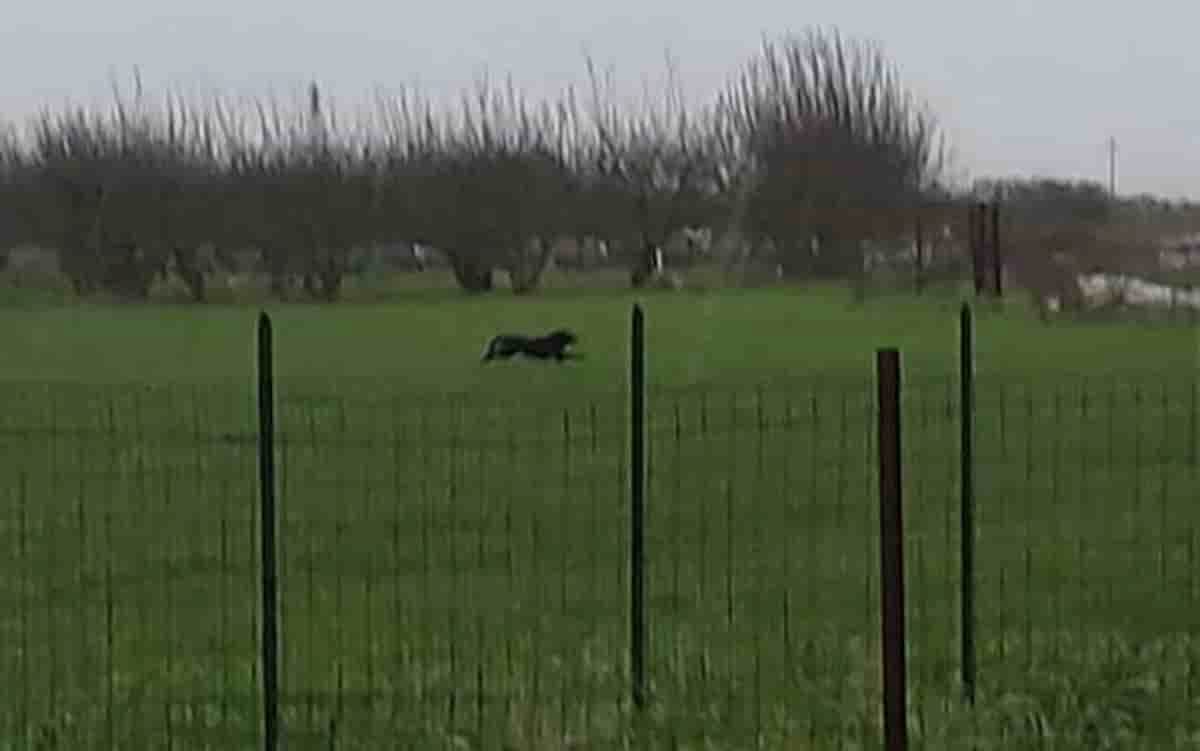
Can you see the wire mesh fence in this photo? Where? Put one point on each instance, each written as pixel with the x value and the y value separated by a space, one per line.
pixel 763 539
pixel 1087 539
pixel 456 570
pixel 129 568
pixel 450 570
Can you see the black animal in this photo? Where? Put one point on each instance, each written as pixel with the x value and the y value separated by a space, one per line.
pixel 551 346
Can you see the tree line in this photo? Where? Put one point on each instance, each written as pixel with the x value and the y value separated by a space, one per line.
pixel 816 150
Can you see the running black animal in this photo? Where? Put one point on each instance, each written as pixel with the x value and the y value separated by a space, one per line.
pixel 555 345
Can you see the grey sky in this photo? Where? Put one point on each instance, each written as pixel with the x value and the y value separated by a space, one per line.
pixel 1022 87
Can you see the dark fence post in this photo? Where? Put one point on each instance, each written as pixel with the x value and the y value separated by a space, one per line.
pixel 975 231
pixel 920 254
pixel 891 538
pixel 966 370
pixel 267 527
pixel 997 256
pixel 637 496
pixel 1194 426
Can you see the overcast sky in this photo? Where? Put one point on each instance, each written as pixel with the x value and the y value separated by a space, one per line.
pixel 1022 87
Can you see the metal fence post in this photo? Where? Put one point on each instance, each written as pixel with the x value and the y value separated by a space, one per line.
pixel 976 232
pixel 966 326
pixel 267 528
pixel 919 242
pixel 997 257
pixel 891 518
pixel 637 490
pixel 1194 431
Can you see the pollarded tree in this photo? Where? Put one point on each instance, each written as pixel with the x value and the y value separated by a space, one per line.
pixel 187 207
pixel 834 149
pixel 257 218
pixel 647 176
pixel 334 192
pixel 498 214
pixel 168 200
pixel 94 177
pixel 492 189
pixel 423 178
pixel 68 163
pixel 335 182
pixel 14 195
pixel 302 194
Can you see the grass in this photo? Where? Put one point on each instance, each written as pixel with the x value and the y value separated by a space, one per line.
pixel 427 340
pixel 453 536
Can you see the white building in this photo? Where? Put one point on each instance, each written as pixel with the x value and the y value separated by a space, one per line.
pixel 1180 253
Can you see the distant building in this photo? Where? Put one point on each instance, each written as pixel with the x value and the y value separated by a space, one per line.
pixel 1180 253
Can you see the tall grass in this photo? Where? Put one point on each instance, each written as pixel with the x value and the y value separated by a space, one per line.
pixel 454 567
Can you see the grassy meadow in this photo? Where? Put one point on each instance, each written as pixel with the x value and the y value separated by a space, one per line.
pixel 453 536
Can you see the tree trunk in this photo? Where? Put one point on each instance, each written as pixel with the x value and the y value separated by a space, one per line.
pixel 643 266
pixel 276 266
pixel 309 281
pixel 919 256
pixel 79 265
pixel 472 275
pixel 187 263
pixel 127 272
pixel 330 278
pixel 279 283
pixel 526 273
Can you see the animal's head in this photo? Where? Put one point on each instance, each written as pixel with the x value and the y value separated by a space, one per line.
pixel 563 337
pixel 489 350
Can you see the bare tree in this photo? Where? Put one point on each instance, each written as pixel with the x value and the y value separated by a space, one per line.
pixel 833 150
pixel 648 175
pixel 811 150
pixel 78 162
pixel 306 196
pixel 492 189
pixel 14 195
pixel 172 199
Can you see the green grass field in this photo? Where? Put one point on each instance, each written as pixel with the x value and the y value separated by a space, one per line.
pixel 453 536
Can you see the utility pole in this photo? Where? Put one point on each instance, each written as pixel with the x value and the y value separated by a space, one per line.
pixel 316 120
pixel 1112 167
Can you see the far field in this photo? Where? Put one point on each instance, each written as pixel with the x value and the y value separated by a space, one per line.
pixel 453 535
pixel 427 339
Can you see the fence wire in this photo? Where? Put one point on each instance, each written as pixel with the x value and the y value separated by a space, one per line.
pixel 451 571
pixel 454 571
pixel 1087 546
pixel 129 568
